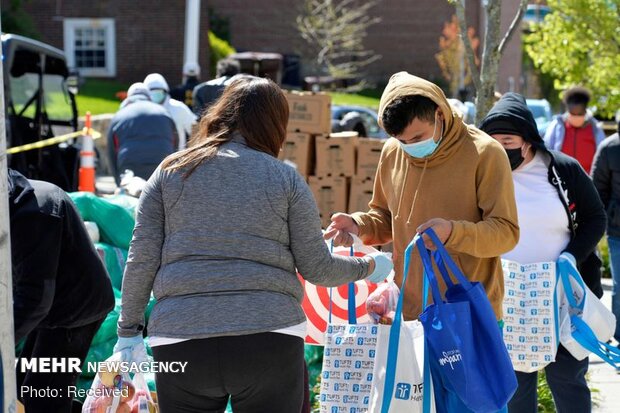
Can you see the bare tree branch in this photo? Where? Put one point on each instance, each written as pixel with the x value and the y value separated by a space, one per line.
pixel 471 59
pixel 513 26
pixel 335 32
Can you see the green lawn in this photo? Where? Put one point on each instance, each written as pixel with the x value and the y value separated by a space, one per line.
pixel 369 98
pixel 99 96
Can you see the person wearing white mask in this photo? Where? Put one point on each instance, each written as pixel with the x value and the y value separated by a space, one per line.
pixel 575 133
pixel 182 115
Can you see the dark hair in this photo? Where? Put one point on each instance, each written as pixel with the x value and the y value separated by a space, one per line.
pixel 402 111
pixel 227 67
pixel 577 96
pixel 255 107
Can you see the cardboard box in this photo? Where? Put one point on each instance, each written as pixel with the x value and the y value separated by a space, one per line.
pixel 335 154
pixel 368 155
pixel 309 112
pixel 360 194
pixel 330 193
pixel 298 149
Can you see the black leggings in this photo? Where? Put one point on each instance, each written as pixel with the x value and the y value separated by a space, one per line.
pixel 60 343
pixel 259 372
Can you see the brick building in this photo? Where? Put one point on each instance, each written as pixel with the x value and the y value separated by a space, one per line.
pixel 129 39
pixel 118 39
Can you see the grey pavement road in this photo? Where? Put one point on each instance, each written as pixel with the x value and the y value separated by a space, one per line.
pixel 602 376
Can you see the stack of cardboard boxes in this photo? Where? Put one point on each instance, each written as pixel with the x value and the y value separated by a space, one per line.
pixel 340 167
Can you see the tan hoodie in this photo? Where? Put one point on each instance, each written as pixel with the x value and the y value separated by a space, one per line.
pixel 467 180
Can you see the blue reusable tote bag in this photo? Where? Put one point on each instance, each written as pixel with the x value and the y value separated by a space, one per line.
pixel 466 350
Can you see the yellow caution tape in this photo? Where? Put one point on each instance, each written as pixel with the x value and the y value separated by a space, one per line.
pixel 52 141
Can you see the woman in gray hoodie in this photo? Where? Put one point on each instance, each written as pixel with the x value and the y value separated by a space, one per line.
pixel 222 229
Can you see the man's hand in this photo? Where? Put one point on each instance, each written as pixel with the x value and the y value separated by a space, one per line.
pixel 340 229
pixel 442 227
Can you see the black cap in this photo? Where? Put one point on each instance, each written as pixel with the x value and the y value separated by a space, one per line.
pixel 510 115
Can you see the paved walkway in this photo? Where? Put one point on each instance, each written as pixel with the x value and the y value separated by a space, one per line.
pixel 602 376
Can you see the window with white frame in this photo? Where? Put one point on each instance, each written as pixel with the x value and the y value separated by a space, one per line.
pixel 90 46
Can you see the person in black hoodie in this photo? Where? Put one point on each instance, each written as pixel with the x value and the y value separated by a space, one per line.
pixel 606 177
pixel 61 290
pixel 561 217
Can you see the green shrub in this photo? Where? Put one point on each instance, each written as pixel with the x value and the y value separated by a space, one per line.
pixel 603 249
pixel 545 399
pixel 219 50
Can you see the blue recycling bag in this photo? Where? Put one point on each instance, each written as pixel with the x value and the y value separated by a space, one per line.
pixel 467 355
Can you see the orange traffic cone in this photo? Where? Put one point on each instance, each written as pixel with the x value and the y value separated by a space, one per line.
pixel 87 160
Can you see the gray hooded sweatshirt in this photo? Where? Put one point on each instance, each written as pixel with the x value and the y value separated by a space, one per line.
pixel 220 249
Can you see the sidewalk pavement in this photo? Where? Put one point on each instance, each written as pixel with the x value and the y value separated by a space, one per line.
pixel 602 376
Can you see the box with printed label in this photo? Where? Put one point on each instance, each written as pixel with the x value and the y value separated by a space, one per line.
pixel 330 193
pixel 360 193
pixel 298 150
pixel 368 155
pixel 309 112
pixel 335 154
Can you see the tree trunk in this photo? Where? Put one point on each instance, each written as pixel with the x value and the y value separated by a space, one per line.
pixel 485 95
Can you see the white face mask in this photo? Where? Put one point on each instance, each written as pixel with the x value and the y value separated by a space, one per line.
pixel 158 95
pixel 426 147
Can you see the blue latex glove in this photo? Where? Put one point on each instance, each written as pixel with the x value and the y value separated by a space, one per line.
pixel 383 267
pixel 132 348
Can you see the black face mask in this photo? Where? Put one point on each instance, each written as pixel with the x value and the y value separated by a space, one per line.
pixel 515 157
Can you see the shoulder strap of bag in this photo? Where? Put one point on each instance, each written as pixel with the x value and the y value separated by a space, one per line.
pixel 586 338
pixel 567 271
pixel 556 309
pixel 351 309
pixel 442 269
pixel 351 298
pixel 429 277
pixel 443 253
pixel 393 342
pixel 426 374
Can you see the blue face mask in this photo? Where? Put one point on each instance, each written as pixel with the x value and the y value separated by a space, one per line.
pixel 158 95
pixel 423 148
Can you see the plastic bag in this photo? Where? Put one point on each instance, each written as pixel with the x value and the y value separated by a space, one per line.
pixel 93 231
pixel 381 303
pixel 115 222
pixel 116 392
pixel 115 260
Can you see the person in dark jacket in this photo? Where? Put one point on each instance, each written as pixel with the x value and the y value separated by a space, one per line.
pixel 141 135
pixel 606 177
pixel 184 91
pixel 61 290
pixel 208 92
pixel 561 217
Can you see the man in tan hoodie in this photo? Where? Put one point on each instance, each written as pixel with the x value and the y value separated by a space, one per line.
pixel 436 172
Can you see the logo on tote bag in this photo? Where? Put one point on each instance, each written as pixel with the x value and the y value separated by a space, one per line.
pixel 450 357
pixel 403 391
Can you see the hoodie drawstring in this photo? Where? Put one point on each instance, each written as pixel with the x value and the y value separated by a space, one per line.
pixel 402 192
pixel 415 196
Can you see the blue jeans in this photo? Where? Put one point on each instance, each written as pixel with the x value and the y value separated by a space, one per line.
pixel 614 264
pixel 567 380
